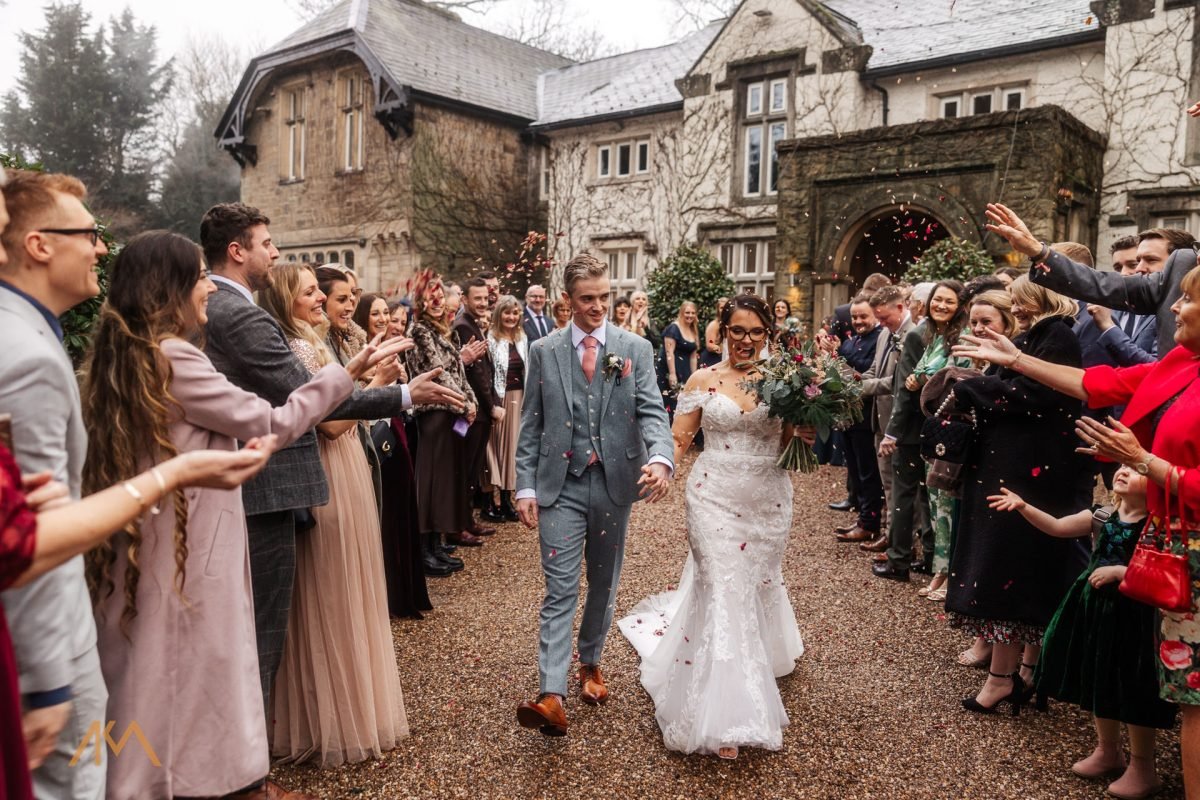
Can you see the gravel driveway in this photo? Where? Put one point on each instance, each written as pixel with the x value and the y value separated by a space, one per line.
pixel 874 702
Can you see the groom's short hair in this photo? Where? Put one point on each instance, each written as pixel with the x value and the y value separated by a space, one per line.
pixel 581 267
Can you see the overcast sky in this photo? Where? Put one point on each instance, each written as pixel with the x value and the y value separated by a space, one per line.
pixel 264 22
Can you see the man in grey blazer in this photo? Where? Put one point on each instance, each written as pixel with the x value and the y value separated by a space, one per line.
pixel 888 306
pixel 52 246
pixel 1152 293
pixel 249 347
pixel 593 429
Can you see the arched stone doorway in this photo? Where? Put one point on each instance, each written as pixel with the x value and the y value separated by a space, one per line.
pixel 887 240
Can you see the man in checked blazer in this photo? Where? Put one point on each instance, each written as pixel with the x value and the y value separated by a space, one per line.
pixel 246 344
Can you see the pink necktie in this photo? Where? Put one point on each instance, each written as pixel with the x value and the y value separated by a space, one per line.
pixel 590 344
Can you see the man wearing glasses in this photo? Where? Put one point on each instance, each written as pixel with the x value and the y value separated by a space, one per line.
pixel 52 244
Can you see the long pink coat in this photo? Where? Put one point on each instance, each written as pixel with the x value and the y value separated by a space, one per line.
pixel 188 673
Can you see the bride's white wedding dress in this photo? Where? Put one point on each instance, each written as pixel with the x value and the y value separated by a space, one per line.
pixel 712 649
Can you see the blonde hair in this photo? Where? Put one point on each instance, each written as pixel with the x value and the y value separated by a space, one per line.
pixel 495 330
pixel 277 300
pixel 1002 301
pixel 1049 303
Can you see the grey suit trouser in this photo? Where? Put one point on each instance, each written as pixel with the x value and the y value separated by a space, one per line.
pixel 56 778
pixel 581 525
pixel 272 574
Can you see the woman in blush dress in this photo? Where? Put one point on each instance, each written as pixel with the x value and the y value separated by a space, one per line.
pixel 174 609
pixel 337 695
pixel 712 650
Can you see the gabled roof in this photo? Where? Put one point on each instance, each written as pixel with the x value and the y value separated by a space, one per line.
pixel 905 33
pixel 636 82
pixel 436 53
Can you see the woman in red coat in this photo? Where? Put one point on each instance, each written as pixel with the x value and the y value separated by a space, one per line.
pixel 1159 436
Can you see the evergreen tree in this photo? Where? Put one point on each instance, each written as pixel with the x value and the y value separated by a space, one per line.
pixel 86 104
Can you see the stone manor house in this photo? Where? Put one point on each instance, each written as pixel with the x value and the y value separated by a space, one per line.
pixel 805 143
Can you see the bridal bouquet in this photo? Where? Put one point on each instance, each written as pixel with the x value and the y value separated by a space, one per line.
pixel 807 386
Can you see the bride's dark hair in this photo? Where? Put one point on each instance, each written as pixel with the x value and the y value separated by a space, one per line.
pixel 748 302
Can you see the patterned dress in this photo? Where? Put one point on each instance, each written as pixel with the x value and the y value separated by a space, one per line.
pixel 943 507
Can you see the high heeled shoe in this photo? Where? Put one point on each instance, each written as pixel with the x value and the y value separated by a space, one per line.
pixel 1040 700
pixel 1015 698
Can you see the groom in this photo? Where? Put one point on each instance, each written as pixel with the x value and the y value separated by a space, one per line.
pixel 592 417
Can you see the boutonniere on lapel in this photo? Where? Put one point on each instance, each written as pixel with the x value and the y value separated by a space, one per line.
pixel 618 366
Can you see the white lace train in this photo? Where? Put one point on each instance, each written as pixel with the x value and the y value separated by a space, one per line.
pixel 712 649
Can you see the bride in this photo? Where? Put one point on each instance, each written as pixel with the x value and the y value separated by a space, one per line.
pixel 712 650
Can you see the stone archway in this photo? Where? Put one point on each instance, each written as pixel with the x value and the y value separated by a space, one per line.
pixel 887 240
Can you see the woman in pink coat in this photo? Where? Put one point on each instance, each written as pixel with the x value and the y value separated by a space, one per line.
pixel 173 602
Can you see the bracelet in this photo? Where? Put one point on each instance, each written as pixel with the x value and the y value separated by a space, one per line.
pixel 138 497
pixel 162 488
pixel 1013 364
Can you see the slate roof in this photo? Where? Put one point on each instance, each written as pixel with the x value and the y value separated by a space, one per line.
pixel 903 32
pixel 435 52
pixel 630 82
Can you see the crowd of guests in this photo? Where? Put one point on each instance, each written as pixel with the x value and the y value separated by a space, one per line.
pixel 378 435
pixel 1032 363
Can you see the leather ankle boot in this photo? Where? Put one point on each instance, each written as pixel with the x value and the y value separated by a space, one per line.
pixel 507 508
pixel 434 567
pixel 444 555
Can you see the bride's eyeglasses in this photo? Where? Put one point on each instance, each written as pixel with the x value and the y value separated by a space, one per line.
pixel 753 334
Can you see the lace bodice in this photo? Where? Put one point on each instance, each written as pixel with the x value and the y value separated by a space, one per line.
pixel 728 430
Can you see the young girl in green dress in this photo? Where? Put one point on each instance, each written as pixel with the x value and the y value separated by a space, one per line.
pixel 1099 650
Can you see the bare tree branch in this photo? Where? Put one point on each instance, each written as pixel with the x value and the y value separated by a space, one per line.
pixel 543 24
pixel 692 15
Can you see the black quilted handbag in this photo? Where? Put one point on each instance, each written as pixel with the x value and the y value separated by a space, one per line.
pixel 945 437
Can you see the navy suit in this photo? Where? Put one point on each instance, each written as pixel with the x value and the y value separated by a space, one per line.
pixel 862 467
pixel 531 326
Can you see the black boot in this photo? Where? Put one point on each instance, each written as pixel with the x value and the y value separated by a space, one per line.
pixel 434 567
pixel 444 555
pixel 493 512
pixel 507 508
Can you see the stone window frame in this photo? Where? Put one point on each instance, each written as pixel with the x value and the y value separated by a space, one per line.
pixel 545 176
pixel 731 252
pixel 611 147
pixel 622 257
pixel 765 122
pixel 351 119
pixel 293 130
pixel 965 98
pixel 785 66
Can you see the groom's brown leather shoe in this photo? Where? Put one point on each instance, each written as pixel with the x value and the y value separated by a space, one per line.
pixel 591 685
pixel 546 714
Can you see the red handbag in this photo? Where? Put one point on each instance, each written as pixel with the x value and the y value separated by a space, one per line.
pixel 1155 575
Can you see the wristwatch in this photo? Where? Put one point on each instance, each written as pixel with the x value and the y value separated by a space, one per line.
pixel 1143 466
pixel 1041 256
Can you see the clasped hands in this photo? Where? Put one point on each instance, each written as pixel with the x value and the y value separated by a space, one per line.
pixel 655 482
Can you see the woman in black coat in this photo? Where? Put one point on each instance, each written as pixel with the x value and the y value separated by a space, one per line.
pixel 1006 578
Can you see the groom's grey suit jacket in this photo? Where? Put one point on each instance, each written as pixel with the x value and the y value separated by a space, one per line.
pixel 633 421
